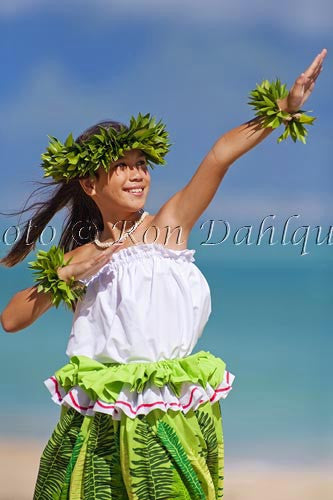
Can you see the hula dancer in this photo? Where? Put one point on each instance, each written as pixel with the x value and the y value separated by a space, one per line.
pixel 140 412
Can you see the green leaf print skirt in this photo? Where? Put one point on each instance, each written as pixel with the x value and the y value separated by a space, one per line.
pixel 140 431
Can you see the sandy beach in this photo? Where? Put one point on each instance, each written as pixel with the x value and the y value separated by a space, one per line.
pixel 243 480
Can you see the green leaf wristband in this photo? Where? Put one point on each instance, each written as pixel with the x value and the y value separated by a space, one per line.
pixel 264 100
pixel 45 268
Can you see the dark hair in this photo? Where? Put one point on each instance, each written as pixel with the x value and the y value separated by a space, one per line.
pixel 82 210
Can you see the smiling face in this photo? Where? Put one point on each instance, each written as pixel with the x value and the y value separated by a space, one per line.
pixel 125 187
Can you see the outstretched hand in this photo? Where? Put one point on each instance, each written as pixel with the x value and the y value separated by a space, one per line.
pixel 303 86
pixel 87 267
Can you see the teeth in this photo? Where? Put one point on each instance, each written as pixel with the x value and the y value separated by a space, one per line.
pixel 135 190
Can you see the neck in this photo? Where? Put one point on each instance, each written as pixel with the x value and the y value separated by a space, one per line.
pixel 117 225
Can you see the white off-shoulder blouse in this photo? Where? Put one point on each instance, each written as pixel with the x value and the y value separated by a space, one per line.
pixel 147 303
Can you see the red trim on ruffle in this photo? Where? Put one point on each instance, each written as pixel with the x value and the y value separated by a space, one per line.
pixel 55 381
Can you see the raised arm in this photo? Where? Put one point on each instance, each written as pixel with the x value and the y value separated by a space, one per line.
pixel 189 203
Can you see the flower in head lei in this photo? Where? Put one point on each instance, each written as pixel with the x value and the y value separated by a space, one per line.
pixel 72 159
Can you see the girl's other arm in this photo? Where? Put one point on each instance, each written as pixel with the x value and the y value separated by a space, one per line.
pixel 28 305
pixel 24 308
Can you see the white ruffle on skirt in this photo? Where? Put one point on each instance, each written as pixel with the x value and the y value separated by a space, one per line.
pixel 133 403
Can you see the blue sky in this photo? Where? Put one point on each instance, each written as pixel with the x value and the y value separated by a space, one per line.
pixel 192 64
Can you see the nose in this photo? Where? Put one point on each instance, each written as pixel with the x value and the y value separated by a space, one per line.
pixel 135 172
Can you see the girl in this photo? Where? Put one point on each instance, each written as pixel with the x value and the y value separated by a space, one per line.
pixel 140 415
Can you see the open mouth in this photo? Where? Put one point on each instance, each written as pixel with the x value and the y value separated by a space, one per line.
pixel 135 192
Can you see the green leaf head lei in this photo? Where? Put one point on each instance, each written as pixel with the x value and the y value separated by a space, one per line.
pixel 72 159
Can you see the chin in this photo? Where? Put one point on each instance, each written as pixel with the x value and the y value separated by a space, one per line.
pixel 139 203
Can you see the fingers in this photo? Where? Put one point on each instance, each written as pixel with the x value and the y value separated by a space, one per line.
pixel 96 262
pixel 309 84
pixel 316 64
pixel 316 72
pixel 108 250
pixel 318 61
pixel 105 254
pixel 304 82
pixel 309 90
pixel 298 88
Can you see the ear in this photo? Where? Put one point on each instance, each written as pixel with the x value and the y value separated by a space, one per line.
pixel 88 185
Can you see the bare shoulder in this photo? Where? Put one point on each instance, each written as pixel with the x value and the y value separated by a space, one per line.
pixel 167 229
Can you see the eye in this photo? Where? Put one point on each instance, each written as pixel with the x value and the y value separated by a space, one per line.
pixel 143 164
pixel 121 165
